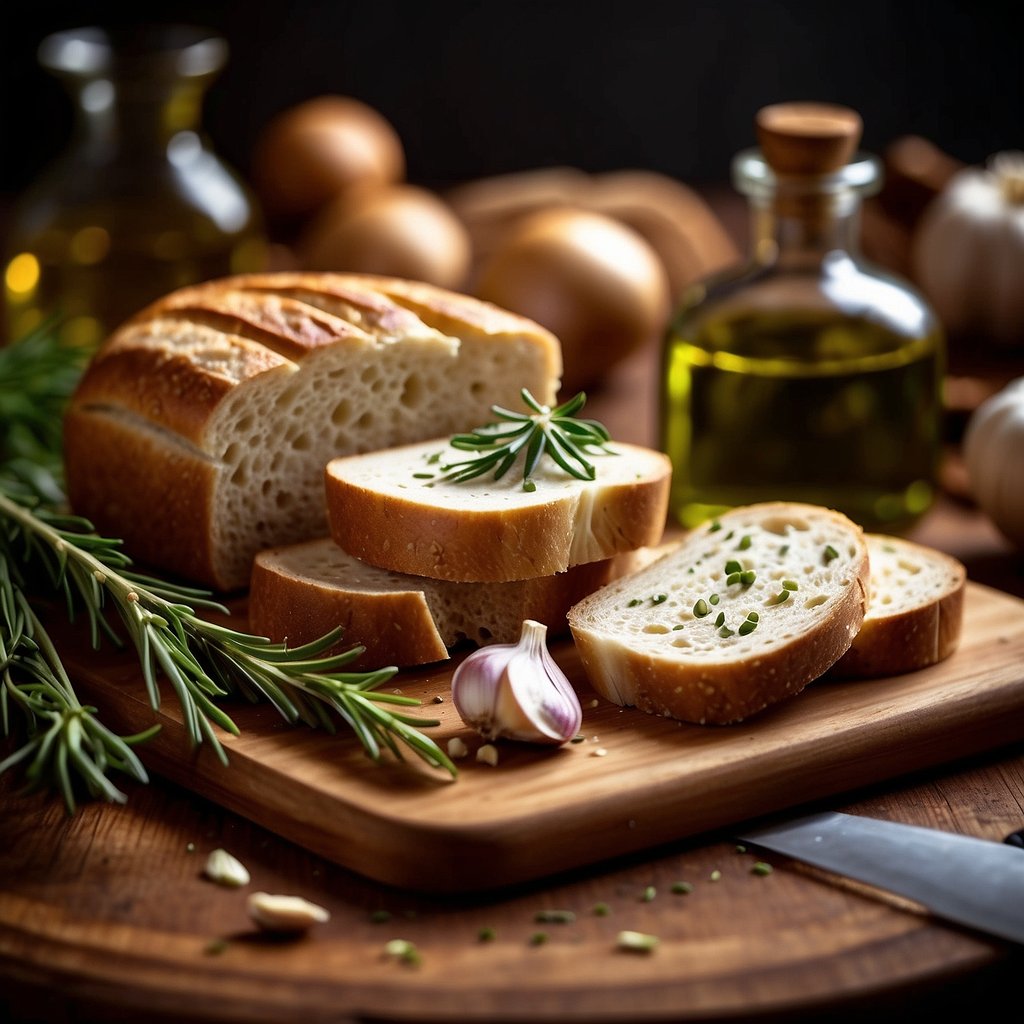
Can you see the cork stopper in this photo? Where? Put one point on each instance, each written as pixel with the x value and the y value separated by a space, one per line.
pixel 807 138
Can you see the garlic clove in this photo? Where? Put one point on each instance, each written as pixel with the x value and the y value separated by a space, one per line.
pixel 517 691
pixel 284 913
pixel 224 869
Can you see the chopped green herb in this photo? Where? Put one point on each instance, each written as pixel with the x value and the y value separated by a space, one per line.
pixel 720 619
pixel 745 542
pixel 678 625
pixel 634 602
pixel 215 947
pixel 554 917
pixel 790 585
pixel 404 950
pixel 715 876
pixel 784 550
pixel 730 535
pixel 487 934
pixel 601 910
pixel 782 595
pixel 681 888
pixel 648 894
pixel 733 577
pixel 713 599
pixel 725 632
pixel 733 565
pixel 761 868
pixel 740 848
pixel 830 553
pixel 538 938
pixel 423 476
pixel 714 527
pixel 659 598
pixel 700 609
pixel 747 626
pixel 747 577
pixel 529 485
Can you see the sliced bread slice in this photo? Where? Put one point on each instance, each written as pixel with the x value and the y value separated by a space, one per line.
pixel 915 611
pixel 300 592
pixel 743 613
pixel 394 510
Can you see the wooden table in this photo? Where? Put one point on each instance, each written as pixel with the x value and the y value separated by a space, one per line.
pixel 105 916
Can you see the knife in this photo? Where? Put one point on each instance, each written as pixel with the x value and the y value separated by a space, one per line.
pixel 976 882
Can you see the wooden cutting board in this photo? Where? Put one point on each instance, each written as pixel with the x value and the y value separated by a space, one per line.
pixel 633 782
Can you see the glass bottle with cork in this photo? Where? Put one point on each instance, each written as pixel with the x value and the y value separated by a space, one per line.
pixel 806 374
pixel 138 204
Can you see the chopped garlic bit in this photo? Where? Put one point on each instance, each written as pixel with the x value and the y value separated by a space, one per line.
pixel 284 913
pixel 600 752
pixel 636 942
pixel 457 747
pixel 488 753
pixel 226 870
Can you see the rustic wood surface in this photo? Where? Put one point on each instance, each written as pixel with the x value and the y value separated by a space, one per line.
pixel 106 916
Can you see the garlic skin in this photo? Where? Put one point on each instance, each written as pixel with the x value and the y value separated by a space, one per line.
pixel 517 691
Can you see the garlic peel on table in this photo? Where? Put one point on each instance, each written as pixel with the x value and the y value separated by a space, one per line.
pixel 517 691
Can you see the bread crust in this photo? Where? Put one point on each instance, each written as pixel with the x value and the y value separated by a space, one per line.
pixel 911 638
pixel 411 532
pixel 404 620
pixel 726 690
pixel 144 430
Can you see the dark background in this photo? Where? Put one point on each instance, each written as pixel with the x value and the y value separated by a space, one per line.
pixel 477 88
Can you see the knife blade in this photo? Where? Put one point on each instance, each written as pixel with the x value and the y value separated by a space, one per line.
pixel 975 882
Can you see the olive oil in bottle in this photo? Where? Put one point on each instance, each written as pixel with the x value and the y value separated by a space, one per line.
pixel 806 375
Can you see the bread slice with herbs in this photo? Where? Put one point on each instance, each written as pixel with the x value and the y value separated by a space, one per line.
pixel 401 510
pixel 743 613
pixel 300 592
pixel 200 430
pixel 915 610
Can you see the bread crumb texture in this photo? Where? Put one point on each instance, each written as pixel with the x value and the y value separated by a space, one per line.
pixel 265 378
pixel 744 612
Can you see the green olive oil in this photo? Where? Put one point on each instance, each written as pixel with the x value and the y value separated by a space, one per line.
pixel 820 406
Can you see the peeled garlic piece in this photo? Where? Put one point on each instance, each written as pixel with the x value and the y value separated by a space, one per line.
pixel 226 870
pixel 284 913
pixel 517 691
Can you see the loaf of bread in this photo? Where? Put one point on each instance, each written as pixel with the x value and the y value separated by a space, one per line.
pixel 742 614
pixel 300 592
pixel 395 510
pixel 915 610
pixel 200 431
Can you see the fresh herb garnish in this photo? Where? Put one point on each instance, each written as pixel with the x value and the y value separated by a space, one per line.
pixel 543 430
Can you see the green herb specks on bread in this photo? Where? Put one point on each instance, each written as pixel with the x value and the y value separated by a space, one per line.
pixel 742 614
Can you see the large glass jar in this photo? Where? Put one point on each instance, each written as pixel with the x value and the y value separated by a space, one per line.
pixel 806 374
pixel 138 204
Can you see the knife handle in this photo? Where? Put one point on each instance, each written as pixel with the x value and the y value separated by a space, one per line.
pixel 1016 838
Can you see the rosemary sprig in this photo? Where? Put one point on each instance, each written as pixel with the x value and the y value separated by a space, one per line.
pixel 541 431
pixel 204 661
pixel 44 549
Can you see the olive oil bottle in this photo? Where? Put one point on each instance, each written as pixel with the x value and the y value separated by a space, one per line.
pixel 807 374
pixel 138 204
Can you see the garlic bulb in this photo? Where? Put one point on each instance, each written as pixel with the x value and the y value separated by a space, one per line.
pixel 968 252
pixel 517 691
pixel 991 449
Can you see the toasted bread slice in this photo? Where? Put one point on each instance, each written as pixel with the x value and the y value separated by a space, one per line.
pixel 695 637
pixel 393 509
pixel 915 610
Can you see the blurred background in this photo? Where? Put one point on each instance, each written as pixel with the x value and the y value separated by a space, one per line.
pixel 477 88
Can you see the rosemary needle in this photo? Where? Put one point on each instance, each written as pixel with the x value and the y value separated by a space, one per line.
pixel 539 431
